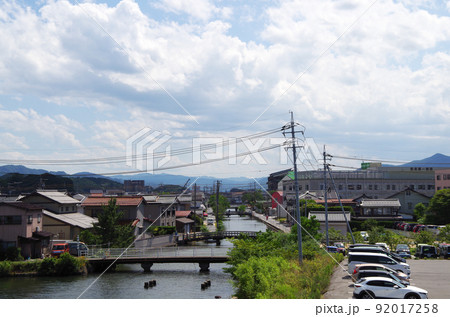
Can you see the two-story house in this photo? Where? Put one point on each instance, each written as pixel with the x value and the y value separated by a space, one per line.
pixel 21 226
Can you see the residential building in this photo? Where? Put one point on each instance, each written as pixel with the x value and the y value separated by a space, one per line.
pixel 66 226
pixel 55 201
pixel 131 206
pixel 336 220
pixel 386 209
pixel 183 223
pixel 408 199
pixel 21 226
pixel 442 179
pixel 160 210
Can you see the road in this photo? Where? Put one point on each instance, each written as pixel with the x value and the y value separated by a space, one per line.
pixel 431 275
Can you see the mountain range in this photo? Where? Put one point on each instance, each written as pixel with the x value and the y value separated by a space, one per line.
pixel 154 180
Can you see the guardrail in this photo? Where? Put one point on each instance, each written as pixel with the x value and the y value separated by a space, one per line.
pixel 171 252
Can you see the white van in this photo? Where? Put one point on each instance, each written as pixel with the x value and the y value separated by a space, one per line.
pixel 378 258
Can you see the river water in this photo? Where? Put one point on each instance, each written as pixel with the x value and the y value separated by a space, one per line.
pixel 173 280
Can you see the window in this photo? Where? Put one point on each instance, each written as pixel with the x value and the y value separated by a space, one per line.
pixel 39 218
pixel 375 187
pixel 393 187
pixel 388 187
pixel 409 206
pixel 408 193
pixel 421 187
pixel 10 220
pixel 430 187
pixel 444 177
pixel 438 177
pixel 30 219
pixel 340 187
pixel 351 187
pixel 370 187
pixel 358 187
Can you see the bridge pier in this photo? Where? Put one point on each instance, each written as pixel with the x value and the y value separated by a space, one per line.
pixel 218 242
pixel 146 266
pixel 204 266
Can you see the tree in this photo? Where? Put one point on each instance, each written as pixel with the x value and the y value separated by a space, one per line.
pixel 109 231
pixel 419 212
pixel 424 237
pixel 438 211
pixel 444 234
pixel 252 197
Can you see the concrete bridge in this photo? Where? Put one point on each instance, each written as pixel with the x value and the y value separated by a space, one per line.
pixel 103 258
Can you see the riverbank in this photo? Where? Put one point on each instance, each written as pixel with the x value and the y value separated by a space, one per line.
pixel 272 222
pixel 62 266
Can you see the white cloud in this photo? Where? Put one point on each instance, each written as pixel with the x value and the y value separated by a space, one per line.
pixel 388 72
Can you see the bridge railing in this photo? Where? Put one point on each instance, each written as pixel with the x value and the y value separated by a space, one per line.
pixel 154 252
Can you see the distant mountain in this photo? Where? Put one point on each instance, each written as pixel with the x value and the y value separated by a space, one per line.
pixel 437 160
pixel 155 180
pixel 20 169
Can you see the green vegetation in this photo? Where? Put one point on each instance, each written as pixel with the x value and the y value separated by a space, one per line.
pixel 444 234
pixel 108 231
pixel 252 197
pixel 62 266
pixel 161 230
pixel 267 266
pixel 219 211
pixel 437 211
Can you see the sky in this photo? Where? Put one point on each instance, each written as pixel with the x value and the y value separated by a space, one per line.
pixel 82 82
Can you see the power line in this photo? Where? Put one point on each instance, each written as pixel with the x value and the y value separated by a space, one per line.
pixel 123 159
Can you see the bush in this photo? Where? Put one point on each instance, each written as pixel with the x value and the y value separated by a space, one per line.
pixel 25 266
pixel 47 267
pixel 162 230
pixel 5 268
pixel 68 265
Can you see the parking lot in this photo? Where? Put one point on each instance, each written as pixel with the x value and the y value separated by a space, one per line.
pixel 431 275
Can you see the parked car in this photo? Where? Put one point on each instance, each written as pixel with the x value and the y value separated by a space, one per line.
pixel 364 234
pixel 378 267
pixel 384 245
pixel 426 251
pixel 444 250
pixel 403 251
pixel 77 248
pixel 332 249
pixel 373 248
pixel 368 273
pixel 59 248
pixel 419 228
pixel 382 287
pixel 378 258
pixel 340 246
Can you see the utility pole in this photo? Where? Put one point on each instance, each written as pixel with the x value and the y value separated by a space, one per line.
pixel 325 167
pixel 217 204
pixel 297 203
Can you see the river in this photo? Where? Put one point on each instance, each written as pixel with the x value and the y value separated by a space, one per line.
pixel 173 281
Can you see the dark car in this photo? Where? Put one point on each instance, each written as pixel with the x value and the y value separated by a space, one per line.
pixel 340 247
pixel 77 249
pixel 444 250
pixel 426 251
pixel 410 226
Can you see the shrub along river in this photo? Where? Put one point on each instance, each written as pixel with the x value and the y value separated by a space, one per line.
pixel 173 280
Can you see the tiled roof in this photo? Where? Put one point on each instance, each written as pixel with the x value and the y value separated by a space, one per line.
pixel 120 201
pixel 185 220
pixel 74 219
pixel 182 213
pixel 59 197
pixel 21 205
pixel 380 203
pixel 332 216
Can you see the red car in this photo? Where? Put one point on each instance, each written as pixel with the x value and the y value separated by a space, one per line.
pixel 59 249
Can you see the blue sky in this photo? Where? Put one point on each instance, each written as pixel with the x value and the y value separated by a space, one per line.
pixel 367 78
